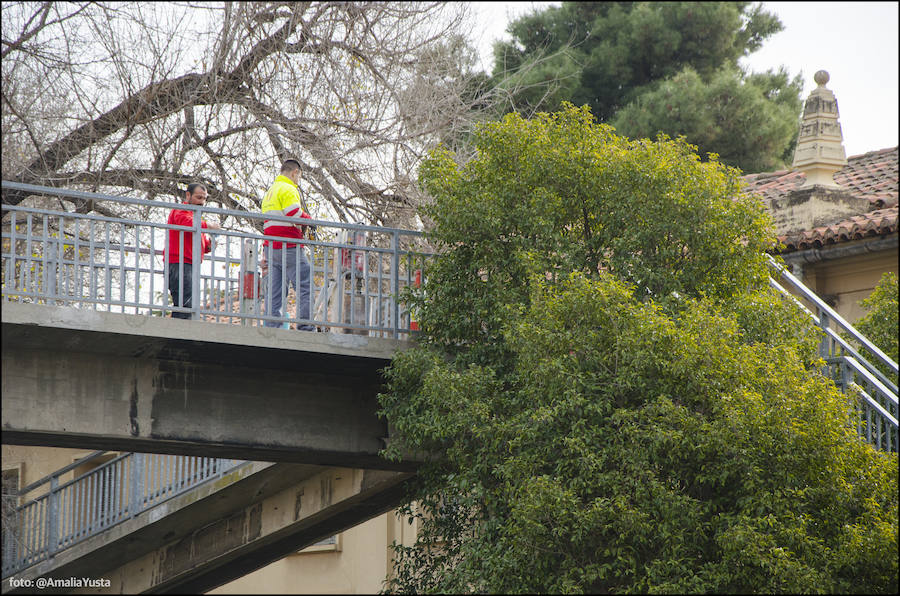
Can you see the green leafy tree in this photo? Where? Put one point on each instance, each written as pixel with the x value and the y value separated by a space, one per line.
pixel 880 323
pixel 632 56
pixel 750 122
pixel 607 396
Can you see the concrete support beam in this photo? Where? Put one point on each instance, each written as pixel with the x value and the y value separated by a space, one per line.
pixel 225 529
pixel 95 380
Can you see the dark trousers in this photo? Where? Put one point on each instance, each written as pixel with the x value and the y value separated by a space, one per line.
pixel 176 286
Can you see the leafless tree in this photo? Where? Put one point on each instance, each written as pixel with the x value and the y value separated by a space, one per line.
pixel 146 97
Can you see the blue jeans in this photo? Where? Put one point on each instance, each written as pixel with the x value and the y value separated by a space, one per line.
pixel 287 266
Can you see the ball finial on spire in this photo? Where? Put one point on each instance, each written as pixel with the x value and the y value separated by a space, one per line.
pixel 821 77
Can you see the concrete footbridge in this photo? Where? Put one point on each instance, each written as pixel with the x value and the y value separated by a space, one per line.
pixel 93 356
pixel 238 443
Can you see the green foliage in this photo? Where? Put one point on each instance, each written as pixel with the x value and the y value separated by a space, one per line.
pixel 630 450
pixel 749 122
pixel 561 193
pixel 880 323
pixel 626 59
pixel 609 398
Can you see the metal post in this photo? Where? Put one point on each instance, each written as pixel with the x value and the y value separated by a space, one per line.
pixel 53 516
pixel 249 281
pixel 136 488
pixel 395 281
pixel 197 260
pixel 824 343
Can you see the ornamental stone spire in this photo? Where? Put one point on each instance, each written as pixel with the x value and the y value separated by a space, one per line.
pixel 819 154
pixel 820 146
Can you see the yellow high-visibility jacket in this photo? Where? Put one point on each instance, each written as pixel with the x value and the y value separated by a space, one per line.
pixel 283 198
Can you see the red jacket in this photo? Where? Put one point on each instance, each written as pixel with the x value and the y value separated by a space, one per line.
pixel 183 217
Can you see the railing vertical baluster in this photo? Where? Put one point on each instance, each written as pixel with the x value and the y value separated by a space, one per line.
pixel 58 271
pixel 135 489
pixel 869 419
pixel 11 277
pixel 109 504
pixel 35 526
pixel 28 523
pixel 29 249
pixel 137 268
pixel 160 470
pixel 162 475
pixel 152 296
pixel 95 503
pixel 28 543
pixel 107 272
pixel 25 547
pixel 227 296
pixel 53 515
pixel 123 281
pixel 45 251
pixel 92 270
pixel 111 489
pixel 87 516
pixel 78 290
pixel 380 302
pixel 64 516
pixel 101 502
pixel 77 504
pixel 42 537
pixel 119 486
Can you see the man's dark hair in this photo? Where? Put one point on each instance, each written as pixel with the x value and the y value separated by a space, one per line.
pixel 193 186
pixel 290 165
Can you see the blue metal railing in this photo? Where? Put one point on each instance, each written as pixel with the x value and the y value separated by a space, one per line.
pixel 117 263
pixel 851 367
pixel 115 491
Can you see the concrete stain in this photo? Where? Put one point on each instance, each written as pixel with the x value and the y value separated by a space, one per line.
pixel 133 410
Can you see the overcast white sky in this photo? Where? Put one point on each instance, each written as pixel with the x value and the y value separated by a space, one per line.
pixel 856 42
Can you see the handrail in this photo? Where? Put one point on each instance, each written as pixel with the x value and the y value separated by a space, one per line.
pixel 871 379
pixel 113 263
pixel 865 363
pixel 102 498
pixel 90 196
pixel 832 314
pixel 835 336
pixel 57 473
pixel 879 409
pixel 874 404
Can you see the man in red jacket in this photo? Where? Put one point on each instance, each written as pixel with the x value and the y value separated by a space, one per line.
pixel 179 255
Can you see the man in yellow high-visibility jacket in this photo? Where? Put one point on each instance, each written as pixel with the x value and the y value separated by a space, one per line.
pixel 286 261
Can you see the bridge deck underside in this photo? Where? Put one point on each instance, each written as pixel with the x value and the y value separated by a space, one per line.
pixel 133 383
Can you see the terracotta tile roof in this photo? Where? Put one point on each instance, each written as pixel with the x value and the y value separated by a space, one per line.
pixel 873 176
pixel 874 223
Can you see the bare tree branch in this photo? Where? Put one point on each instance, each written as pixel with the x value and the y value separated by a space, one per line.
pixel 150 96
